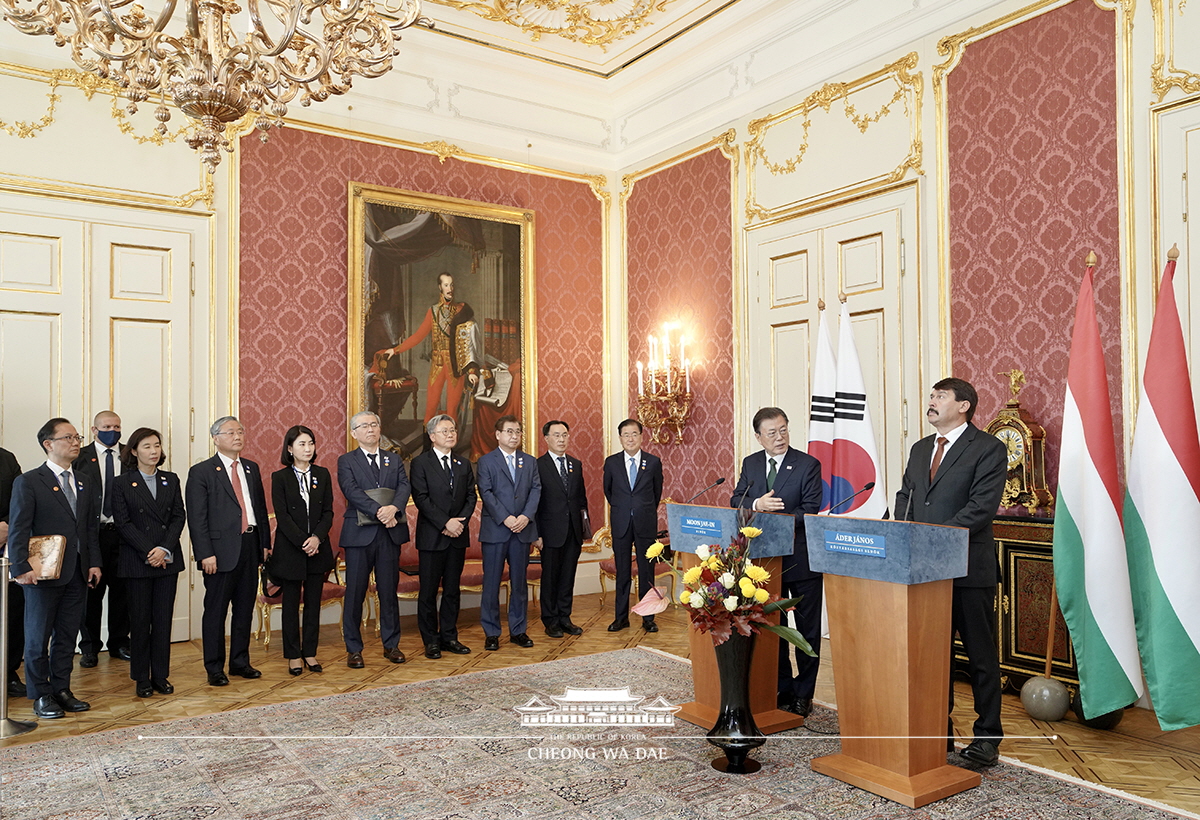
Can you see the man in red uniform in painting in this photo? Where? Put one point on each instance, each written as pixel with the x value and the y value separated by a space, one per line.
pixel 456 349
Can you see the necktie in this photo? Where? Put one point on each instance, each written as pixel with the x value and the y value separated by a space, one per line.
pixel 632 472
pixel 68 486
pixel 562 470
pixel 512 468
pixel 771 472
pixel 235 475
pixel 106 507
pixel 937 457
pixel 449 472
pixel 374 466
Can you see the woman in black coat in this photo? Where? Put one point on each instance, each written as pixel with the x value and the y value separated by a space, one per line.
pixel 148 510
pixel 302 495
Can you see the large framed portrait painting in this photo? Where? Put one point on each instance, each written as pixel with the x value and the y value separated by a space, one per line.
pixel 440 310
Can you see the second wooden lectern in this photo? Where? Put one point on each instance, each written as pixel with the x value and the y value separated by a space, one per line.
pixel 888 587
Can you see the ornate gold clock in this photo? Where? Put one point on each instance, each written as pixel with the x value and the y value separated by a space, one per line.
pixel 1025 441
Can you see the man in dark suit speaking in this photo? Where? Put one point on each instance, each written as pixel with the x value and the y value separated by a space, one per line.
pixel 633 486
pixel 779 478
pixel 54 500
pixel 958 483
pixel 227 522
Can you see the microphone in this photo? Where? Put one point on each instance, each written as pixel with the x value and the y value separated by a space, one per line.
pixel 720 480
pixel 870 485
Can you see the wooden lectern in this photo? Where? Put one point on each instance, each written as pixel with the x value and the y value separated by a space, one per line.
pixel 691 525
pixel 888 587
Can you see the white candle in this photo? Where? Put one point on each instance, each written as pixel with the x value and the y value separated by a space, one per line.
pixel 669 380
pixel 639 364
pixel 652 387
pixel 687 374
pixel 666 341
pixel 653 354
pixel 682 354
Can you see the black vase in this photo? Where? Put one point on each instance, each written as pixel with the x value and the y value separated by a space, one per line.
pixel 735 732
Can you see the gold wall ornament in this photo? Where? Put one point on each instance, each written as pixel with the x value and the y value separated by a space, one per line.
pixel 214 73
pixel 1164 74
pixel 23 129
pixel 591 22
pixel 908 95
pixel 443 149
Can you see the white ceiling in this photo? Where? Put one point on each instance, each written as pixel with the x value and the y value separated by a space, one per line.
pixel 687 71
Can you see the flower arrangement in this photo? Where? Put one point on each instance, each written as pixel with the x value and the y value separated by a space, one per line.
pixel 727 591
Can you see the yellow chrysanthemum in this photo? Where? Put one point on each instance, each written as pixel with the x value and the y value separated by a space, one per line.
pixel 714 563
pixel 747 587
pixel 757 574
pixel 761 596
pixel 751 532
pixel 654 550
pixel 692 576
pixel 685 596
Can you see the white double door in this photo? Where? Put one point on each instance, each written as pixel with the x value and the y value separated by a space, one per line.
pixel 866 250
pixel 104 307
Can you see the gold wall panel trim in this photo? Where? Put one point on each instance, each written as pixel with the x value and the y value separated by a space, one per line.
pixel 909 93
pixel 724 141
pixel 1164 74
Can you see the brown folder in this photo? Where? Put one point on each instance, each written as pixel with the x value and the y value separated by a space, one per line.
pixel 46 556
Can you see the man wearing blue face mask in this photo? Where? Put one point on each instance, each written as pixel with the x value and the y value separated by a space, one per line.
pixel 100 461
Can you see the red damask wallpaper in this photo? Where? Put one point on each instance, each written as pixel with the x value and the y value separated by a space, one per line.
pixel 1033 188
pixel 294 286
pixel 680 257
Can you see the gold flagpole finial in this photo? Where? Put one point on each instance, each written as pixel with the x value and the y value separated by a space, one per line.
pixel 842 295
pixel 820 304
pixel 1173 254
pixel 1091 259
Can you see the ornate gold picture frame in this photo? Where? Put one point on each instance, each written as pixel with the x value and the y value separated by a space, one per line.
pixel 441 315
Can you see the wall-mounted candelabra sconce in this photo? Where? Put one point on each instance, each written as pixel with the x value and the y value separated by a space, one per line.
pixel 665 388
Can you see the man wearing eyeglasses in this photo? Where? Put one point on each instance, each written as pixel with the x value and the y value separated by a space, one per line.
pixel 375 525
pixel 54 500
pixel 779 478
pixel 633 482
pixel 227 522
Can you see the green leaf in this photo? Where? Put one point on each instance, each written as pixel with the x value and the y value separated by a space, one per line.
pixel 781 606
pixel 793 637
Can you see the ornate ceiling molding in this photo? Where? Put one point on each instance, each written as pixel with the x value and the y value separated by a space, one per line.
pixel 590 22
pixel 1164 74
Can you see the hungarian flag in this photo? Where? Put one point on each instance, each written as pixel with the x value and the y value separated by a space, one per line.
pixel 821 409
pixel 1162 520
pixel 855 459
pixel 1090 570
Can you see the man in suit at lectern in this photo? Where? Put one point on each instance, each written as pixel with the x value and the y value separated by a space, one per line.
pixel 779 478
pixel 955 478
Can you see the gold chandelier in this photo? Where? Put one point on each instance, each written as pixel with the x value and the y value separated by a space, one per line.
pixel 214 74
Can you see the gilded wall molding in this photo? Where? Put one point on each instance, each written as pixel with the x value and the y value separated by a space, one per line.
pixel 908 95
pixel 590 22
pixel 725 141
pixel 1164 74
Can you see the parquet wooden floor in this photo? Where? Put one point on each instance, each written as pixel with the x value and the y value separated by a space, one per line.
pixel 1136 757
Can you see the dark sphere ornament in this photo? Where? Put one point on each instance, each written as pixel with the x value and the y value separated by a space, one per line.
pixel 1045 698
pixel 1106 722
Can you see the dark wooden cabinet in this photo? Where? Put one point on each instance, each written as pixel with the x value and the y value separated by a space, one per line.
pixel 1023 604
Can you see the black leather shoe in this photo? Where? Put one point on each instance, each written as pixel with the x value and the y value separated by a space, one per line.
pixel 456 647
pixel 554 632
pixel 313 667
pixel 394 655
pixel 218 679
pixel 67 700
pixel 491 642
pixel 295 670
pixel 245 672
pixel 144 689
pixel 433 651
pixel 618 625
pixel 983 752
pixel 801 706
pixel 162 686
pixel 649 626
pixel 87 660
pixel 121 653
pixel 16 689
pixel 521 640
pixel 48 708
pixel 354 660
pixel 571 629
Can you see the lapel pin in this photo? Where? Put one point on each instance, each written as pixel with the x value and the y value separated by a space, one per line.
pixel 789 466
pixel 54 488
pixel 135 483
pixel 218 469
